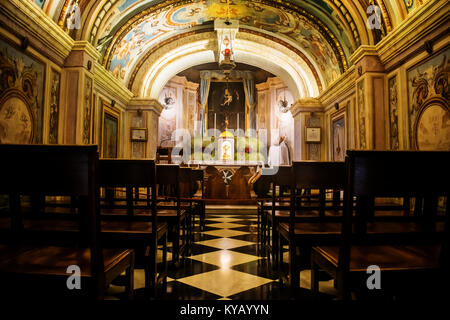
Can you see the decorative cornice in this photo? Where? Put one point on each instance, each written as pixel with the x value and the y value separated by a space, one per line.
pixel 39 25
pixel 115 87
pixel 423 20
pixel 145 105
pixel 306 105
pixel 361 52
pixel 85 46
pixel 345 83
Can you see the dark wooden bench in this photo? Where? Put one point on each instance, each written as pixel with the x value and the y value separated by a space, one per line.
pixel 272 211
pixel 199 209
pixel 172 210
pixel 304 226
pixel 135 227
pixel 38 265
pixel 402 258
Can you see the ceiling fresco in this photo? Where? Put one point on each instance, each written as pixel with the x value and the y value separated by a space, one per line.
pixel 161 24
pixel 326 31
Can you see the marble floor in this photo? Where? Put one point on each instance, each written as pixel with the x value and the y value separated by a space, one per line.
pixel 226 263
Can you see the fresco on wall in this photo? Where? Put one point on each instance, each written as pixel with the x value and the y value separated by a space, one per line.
pixel 110 136
pixel 167 120
pixel 54 107
pixel 429 103
pixel 393 113
pixel 40 3
pixel 361 115
pixel 21 96
pixel 433 129
pixel 87 111
pixel 410 5
pixel 338 139
pixel 158 25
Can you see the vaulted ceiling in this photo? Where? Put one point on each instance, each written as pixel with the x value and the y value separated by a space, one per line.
pixel 322 33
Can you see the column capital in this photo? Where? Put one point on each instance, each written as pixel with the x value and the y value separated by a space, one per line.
pixel 366 59
pixel 88 48
pixel 83 54
pixel 145 104
pixel 306 105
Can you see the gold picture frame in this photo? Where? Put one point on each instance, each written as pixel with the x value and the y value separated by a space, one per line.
pixel 313 135
pixel 139 134
pixel 110 146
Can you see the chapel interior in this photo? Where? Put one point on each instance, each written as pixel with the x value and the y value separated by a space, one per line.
pixel 225 150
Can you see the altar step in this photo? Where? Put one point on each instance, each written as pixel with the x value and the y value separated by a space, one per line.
pixel 232 209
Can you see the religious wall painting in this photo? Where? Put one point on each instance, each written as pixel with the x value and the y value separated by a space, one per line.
pixel 226 106
pixel 167 120
pixel 21 96
pixel 410 5
pixel 361 115
pixel 110 131
pixel 39 3
pixel 261 111
pixel 87 110
pixel 55 84
pixel 175 17
pixel 338 142
pixel 191 112
pixel 429 103
pixel 393 113
pixel 432 130
pixel 284 101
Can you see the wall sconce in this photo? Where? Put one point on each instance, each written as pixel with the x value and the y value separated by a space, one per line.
pixel 336 106
pixel 113 103
pixel 89 65
pixel 24 42
pixel 429 47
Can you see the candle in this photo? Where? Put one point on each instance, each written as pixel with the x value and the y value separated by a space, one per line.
pixel 238 121
pixel 214 122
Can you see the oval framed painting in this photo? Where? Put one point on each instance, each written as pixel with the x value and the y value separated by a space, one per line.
pixel 16 119
pixel 432 127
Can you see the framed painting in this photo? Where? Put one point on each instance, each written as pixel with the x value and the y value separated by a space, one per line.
pixel 22 87
pixel 110 131
pixel 313 135
pixel 138 134
pixel 226 107
pixel 432 127
pixel 338 141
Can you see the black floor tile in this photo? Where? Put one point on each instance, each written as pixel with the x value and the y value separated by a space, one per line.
pixel 180 291
pixel 261 268
pixel 251 249
pixel 200 249
pixel 252 237
pixel 189 268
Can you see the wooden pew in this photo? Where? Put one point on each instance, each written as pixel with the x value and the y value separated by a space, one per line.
pixel 410 257
pixel 199 209
pixel 172 210
pixel 135 227
pixel 278 208
pixel 29 265
pixel 307 226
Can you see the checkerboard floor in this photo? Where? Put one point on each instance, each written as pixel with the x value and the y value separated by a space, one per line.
pixel 225 263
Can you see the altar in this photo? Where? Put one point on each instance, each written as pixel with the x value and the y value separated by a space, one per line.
pixel 228 180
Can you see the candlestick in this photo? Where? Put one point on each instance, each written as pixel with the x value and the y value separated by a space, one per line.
pixel 215 122
pixel 238 121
